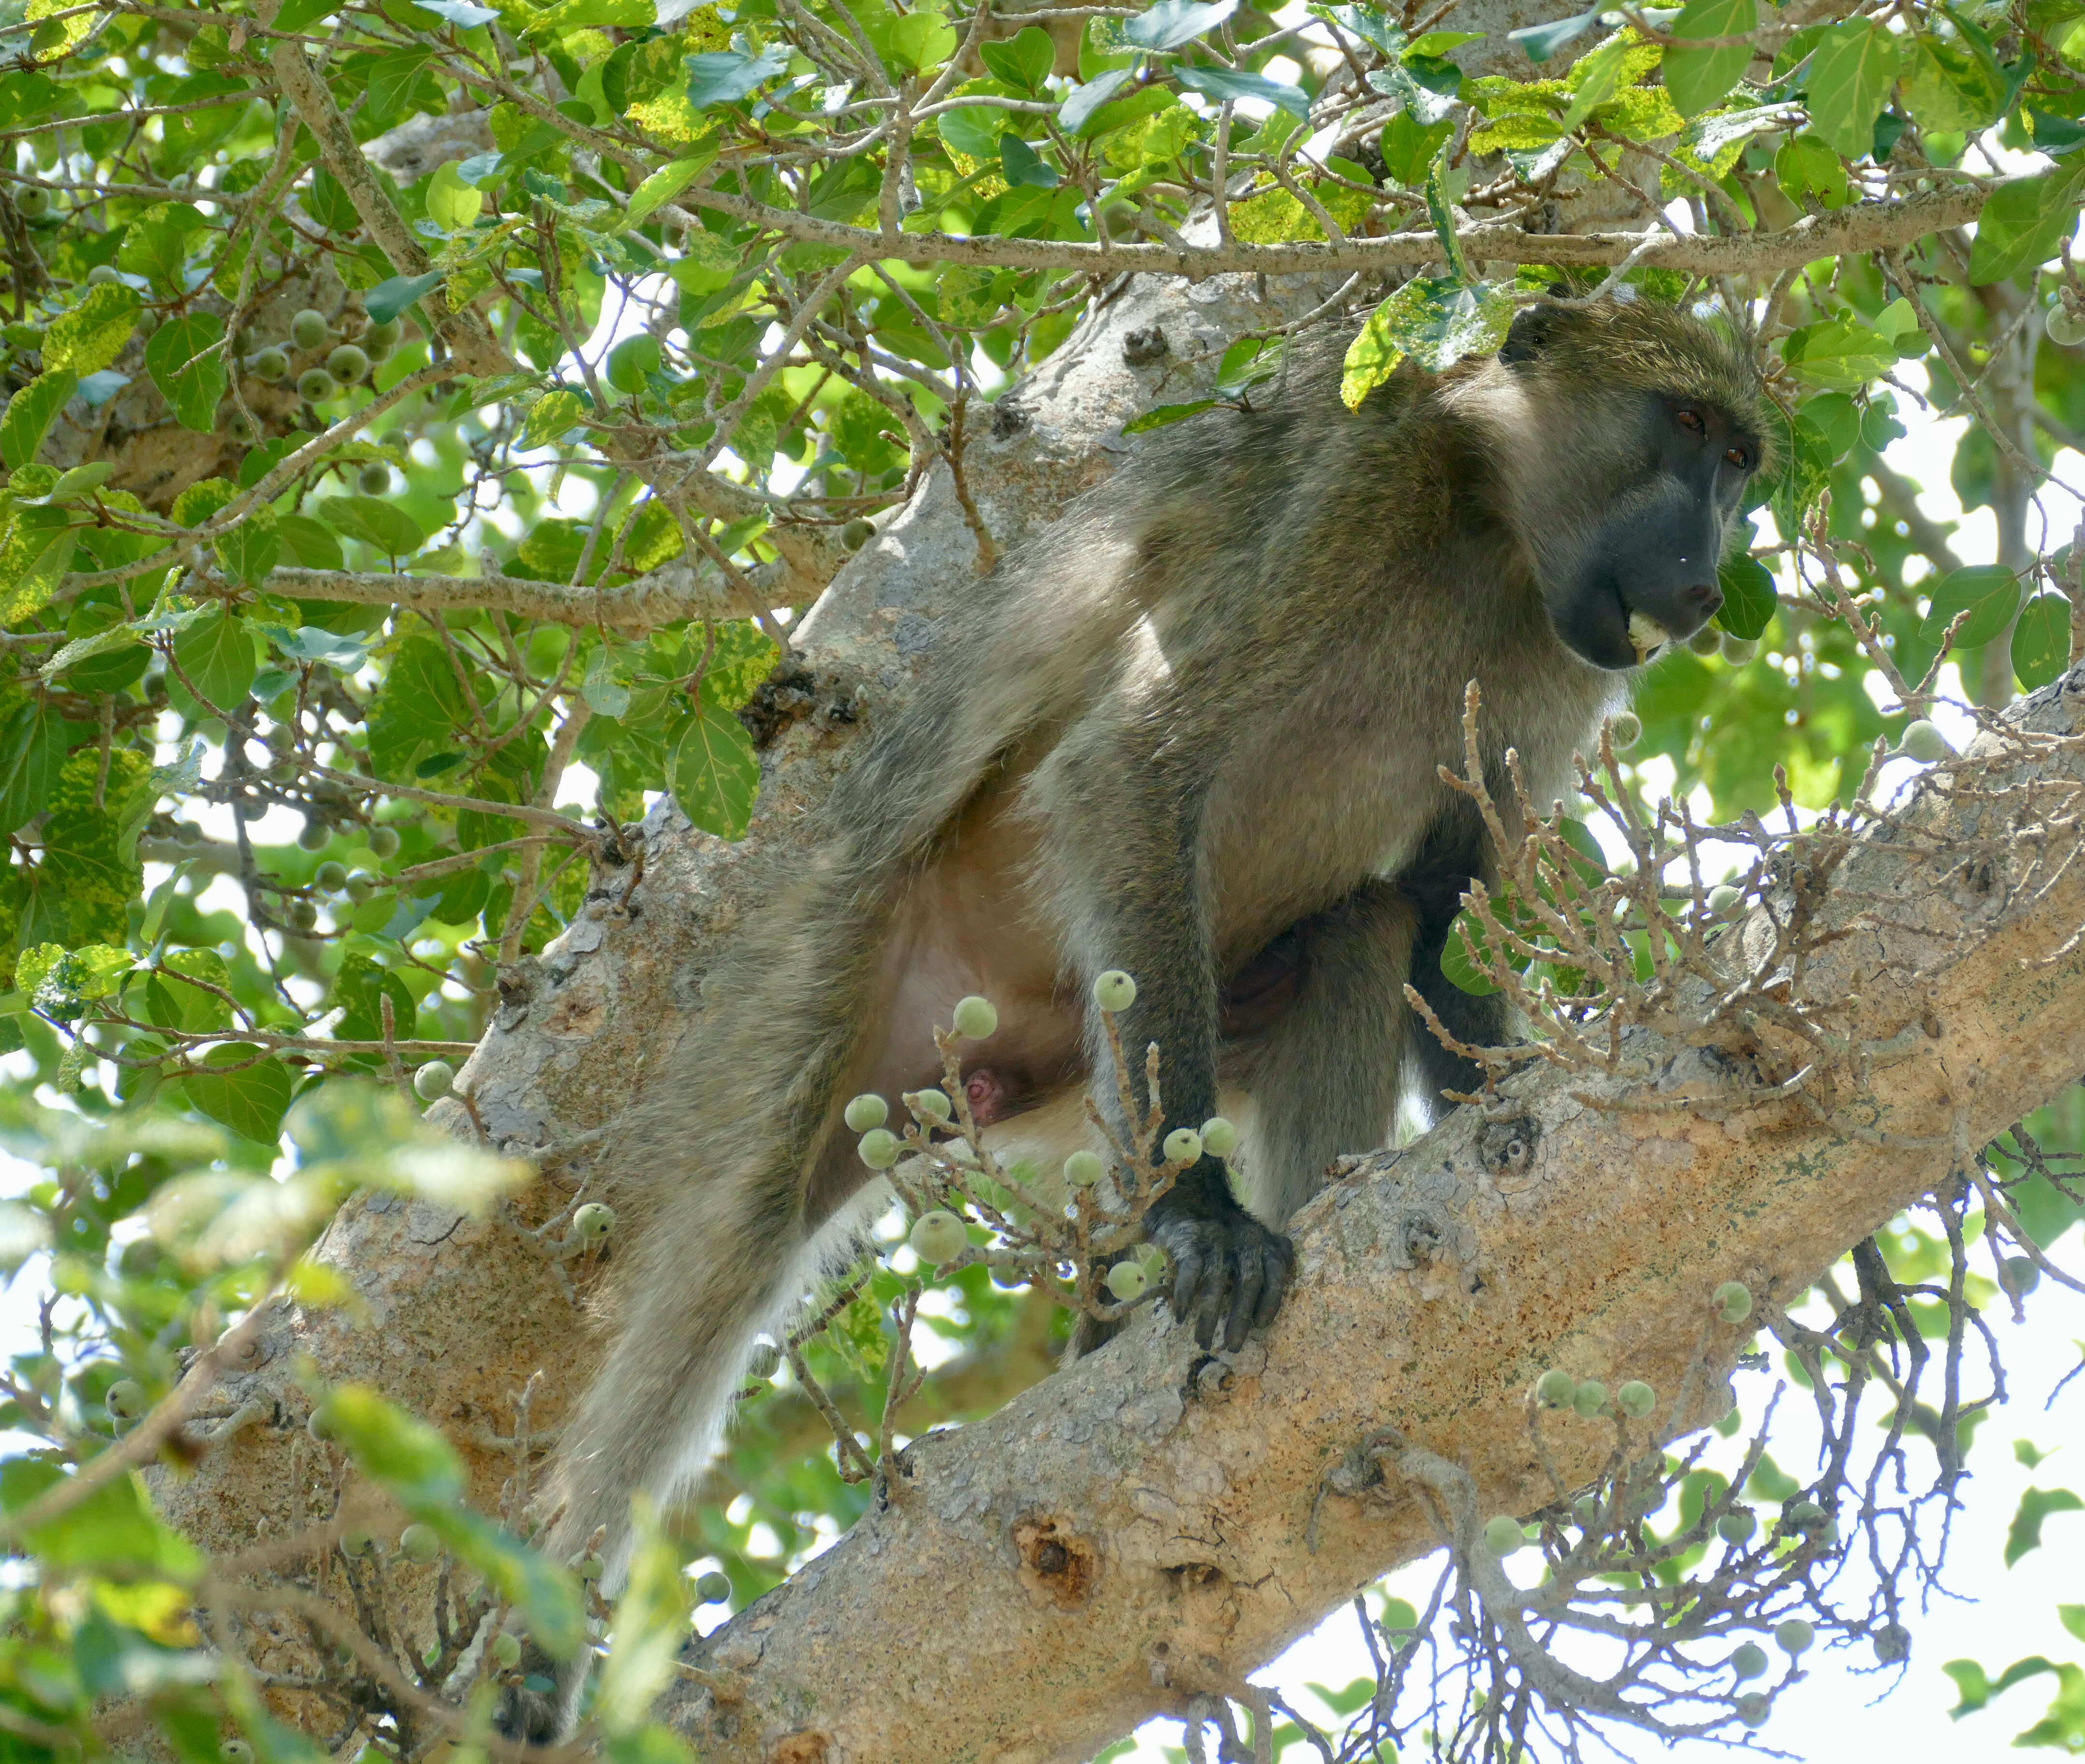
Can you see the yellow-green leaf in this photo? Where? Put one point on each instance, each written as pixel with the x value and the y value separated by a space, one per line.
pixel 550 415
pixel 452 204
pixel 92 334
pixel 713 772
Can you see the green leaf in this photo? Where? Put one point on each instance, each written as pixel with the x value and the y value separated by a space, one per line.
pixel 1851 71
pixel 546 1595
pixel 713 772
pixel 330 203
pixel 1160 415
pixel 411 1461
pixel 374 521
pixel 1458 961
pixel 113 1528
pixel 309 544
pixel 1023 165
pixel 220 655
pixel 1539 42
pixel 2024 221
pixel 1988 592
pixel 87 339
pixel 29 414
pixel 388 298
pixel 32 747
pixel 1749 597
pixel 744 655
pixel 1436 323
pixel 655 1743
pixel 1171 23
pixel 392 79
pixel 663 185
pixel 190 382
pixel 1840 353
pixel 36 550
pixel 77 482
pixel 1409 147
pixel 1698 79
pixel 359 990
pixel 1596 79
pixel 1830 422
pixel 89 875
pixel 202 499
pixel 172 1002
pixel 2041 641
pixel 725 76
pixel 1220 83
pixel 1805 166
pixel 249 550
pixel 417 706
pixel 2062 1728
pixel 156 244
pixel 551 416
pixel 1080 104
pixel 1441 210
pixel 251 1102
pixel 651 1624
pixel 1024 60
pixel 312 643
pixel 1972 1687
pixel 921 40
pixel 2036 1504
pixel 60 982
pixel 1953 82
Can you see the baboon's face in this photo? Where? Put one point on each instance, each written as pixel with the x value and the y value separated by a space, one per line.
pixel 1632 567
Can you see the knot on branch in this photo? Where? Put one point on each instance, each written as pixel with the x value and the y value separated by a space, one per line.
pixel 1059 1566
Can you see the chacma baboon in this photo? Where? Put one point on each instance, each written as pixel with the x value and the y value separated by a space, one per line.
pixel 1192 731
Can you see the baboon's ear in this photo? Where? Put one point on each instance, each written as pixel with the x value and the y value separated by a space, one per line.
pixel 1530 329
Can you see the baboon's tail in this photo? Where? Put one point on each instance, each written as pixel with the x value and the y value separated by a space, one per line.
pixel 710 1169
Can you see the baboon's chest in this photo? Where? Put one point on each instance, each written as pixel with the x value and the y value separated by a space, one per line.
pixel 1345 785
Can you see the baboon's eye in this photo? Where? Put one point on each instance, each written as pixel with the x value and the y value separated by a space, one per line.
pixel 1690 421
pixel 1739 458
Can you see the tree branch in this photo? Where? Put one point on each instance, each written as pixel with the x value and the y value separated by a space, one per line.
pixel 659 596
pixel 471 344
pixel 1862 226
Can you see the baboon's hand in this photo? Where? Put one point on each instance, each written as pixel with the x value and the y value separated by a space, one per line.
pixel 1229 1269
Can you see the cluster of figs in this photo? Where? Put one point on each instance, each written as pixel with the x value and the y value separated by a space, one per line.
pixel 334 363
